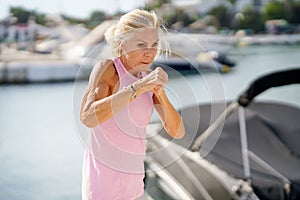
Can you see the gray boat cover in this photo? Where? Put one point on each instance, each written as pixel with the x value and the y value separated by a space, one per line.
pixel 273 134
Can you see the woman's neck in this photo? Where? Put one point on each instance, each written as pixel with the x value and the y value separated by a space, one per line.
pixel 134 71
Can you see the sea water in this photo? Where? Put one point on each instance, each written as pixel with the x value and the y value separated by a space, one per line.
pixel 40 148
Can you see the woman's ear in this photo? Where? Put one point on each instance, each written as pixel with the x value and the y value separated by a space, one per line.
pixel 120 49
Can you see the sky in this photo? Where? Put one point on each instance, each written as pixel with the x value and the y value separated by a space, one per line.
pixel 74 8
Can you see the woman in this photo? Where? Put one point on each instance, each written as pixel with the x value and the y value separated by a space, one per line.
pixel 117 106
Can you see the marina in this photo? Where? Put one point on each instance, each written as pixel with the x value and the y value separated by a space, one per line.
pixel 77 59
pixel 232 74
pixel 41 150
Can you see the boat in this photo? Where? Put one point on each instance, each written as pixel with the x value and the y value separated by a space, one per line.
pixel 205 61
pixel 173 172
pixel 252 145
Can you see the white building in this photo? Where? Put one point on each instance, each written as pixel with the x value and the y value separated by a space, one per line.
pixel 200 6
pixel 203 6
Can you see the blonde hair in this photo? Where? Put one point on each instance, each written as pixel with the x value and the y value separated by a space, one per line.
pixel 131 22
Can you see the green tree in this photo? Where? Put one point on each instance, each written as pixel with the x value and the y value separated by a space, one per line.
pixel 232 1
pixel 156 4
pixel 24 15
pixel 288 9
pixel 73 20
pixel 274 10
pixel 296 13
pixel 97 16
pixel 40 18
pixel 252 19
pixel 178 15
pixel 185 18
pixel 222 14
pixel 20 13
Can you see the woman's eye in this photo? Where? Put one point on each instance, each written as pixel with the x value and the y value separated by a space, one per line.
pixel 141 45
pixel 155 45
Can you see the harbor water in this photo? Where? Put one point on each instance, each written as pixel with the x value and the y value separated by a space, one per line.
pixel 40 148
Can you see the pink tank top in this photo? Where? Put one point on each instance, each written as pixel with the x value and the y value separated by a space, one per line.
pixel 113 166
pixel 119 142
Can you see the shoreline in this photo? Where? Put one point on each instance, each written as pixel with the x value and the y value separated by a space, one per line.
pixel 21 67
pixel 247 40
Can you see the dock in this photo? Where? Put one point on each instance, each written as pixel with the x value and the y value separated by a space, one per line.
pixel 20 66
pixel 29 67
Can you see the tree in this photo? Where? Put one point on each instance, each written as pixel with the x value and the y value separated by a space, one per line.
pixel 97 16
pixel 296 13
pixel 222 14
pixel 73 20
pixel 24 15
pixel 154 4
pixel 40 18
pixel 274 10
pixel 178 15
pixel 288 9
pixel 20 13
pixel 232 1
pixel 252 19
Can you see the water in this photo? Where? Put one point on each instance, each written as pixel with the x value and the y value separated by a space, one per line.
pixel 41 153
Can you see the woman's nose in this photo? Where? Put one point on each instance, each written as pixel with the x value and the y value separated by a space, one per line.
pixel 150 51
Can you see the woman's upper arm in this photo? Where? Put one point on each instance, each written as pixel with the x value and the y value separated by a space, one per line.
pixel 97 74
pixel 97 88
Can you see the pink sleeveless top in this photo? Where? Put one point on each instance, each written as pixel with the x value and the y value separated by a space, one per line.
pixel 113 166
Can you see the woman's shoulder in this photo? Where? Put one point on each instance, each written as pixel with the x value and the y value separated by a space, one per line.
pixel 103 65
pixel 103 70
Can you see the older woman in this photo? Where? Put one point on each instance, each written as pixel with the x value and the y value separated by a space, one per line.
pixel 117 106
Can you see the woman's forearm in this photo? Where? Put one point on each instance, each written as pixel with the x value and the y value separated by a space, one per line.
pixel 172 121
pixel 103 109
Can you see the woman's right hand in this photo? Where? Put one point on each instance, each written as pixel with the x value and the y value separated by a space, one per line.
pixel 157 77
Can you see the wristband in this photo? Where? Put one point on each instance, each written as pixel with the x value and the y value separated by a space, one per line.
pixel 134 92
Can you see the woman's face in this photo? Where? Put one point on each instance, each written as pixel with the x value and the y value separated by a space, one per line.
pixel 140 48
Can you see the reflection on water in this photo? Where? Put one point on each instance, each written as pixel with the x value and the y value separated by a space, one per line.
pixel 40 152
